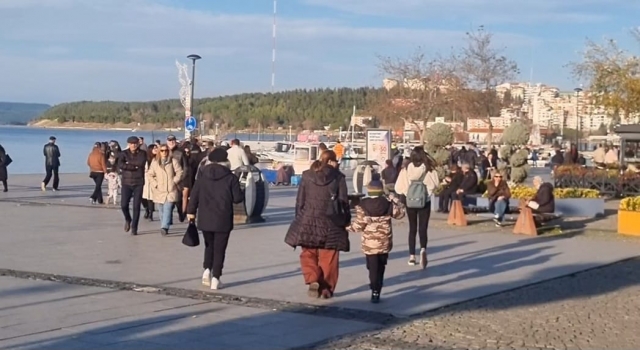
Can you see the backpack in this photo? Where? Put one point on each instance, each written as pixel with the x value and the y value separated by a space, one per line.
pixel 417 194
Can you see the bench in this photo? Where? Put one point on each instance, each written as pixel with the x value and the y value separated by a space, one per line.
pixel 528 222
pixel 459 208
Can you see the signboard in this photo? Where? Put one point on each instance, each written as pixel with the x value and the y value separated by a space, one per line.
pixel 378 145
pixel 190 123
pixel 440 120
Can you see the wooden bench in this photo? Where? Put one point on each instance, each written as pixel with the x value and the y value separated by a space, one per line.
pixel 528 222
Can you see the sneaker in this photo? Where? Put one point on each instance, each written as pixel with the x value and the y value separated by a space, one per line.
pixel 215 284
pixel 206 278
pixel 498 223
pixel 164 231
pixel 43 187
pixel 423 258
pixel 412 260
pixel 375 297
pixel 314 290
pixel 496 217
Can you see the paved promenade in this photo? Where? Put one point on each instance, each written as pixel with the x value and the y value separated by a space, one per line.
pixel 59 236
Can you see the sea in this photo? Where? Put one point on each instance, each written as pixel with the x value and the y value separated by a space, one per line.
pixel 24 145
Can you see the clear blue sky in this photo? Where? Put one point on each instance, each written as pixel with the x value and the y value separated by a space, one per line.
pixel 54 51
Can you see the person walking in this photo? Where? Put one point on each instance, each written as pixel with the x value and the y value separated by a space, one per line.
pixel 5 160
pixel 147 195
pixel 314 230
pixel 373 221
pixel 52 164
pixel 177 154
pixel 163 175
pixel 212 198
pixel 236 155
pixel 97 169
pixel 416 183
pixel 131 163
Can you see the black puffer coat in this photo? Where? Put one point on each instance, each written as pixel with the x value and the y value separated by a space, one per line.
pixel 311 227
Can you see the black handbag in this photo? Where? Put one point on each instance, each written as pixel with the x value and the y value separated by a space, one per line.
pixel 338 211
pixel 191 237
pixel 7 160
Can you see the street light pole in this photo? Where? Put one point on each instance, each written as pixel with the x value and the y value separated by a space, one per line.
pixel 578 124
pixel 193 59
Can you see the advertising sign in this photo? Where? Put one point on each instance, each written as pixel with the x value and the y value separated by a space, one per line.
pixel 378 145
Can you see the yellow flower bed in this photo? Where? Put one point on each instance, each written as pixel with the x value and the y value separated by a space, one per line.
pixel 526 192
pixel 630 204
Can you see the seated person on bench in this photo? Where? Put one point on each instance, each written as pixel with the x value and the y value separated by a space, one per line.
pixel 451 183
pixel 498 194
pixel 468 185
pixel 543 202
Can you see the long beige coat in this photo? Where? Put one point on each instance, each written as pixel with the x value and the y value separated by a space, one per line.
pixel 163 180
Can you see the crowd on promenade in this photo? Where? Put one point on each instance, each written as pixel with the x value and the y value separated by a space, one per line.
pixel 199 181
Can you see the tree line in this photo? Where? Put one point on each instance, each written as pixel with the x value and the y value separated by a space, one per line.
pixel 308 109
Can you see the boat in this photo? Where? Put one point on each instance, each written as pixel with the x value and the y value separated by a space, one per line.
pixel 284 152
pixel 304 155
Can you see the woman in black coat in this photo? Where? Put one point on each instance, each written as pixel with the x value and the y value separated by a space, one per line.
pixel 4 175
pixel 320 238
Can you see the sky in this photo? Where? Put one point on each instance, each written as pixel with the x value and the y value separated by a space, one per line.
pixel 55 51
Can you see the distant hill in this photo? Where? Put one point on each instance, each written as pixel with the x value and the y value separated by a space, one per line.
pixel 309 109
pixel 20 113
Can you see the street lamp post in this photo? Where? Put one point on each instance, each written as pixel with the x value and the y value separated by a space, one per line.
pixel 217 131
pixel 193 59
pixel 578 124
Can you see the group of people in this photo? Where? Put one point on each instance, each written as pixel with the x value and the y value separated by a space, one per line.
pixel 321 236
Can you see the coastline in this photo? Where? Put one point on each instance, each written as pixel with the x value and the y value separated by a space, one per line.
pixel 49 124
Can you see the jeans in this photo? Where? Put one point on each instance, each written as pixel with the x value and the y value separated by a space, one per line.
pixel 52 170
pixel 376 264
pixel 418 223
pixel 166 212
pixel 215 248
pixel 500 209
pixel 98 178
pixel 129 192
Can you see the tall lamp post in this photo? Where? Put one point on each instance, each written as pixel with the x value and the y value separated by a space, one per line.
pixel 193 59
pixel 578 124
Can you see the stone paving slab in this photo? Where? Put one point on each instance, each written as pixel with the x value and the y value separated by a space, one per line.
pixel 49 315
pixel 464 264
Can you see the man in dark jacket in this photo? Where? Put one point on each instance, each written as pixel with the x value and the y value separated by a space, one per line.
pixel 469 183
pixel 543 202
pixel 52 163
pixel 213 195
pixel 131 163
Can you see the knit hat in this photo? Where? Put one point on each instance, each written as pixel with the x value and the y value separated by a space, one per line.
pixel 375 188
pixel 218 155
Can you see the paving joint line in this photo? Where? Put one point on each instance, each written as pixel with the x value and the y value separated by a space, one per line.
pixel 372 317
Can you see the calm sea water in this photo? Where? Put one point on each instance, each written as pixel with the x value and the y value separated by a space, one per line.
pixel 25 144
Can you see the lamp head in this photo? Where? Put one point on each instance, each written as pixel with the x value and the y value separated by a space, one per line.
pixel 577 90
pixel 194 57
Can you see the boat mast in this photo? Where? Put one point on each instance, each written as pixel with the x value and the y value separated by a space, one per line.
pixel 352 123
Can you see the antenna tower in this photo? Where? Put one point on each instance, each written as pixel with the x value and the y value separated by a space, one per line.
pixel 273 53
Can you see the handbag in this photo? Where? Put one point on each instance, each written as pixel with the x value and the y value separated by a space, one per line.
pixel 191 237
pixel 338 211
pixel 7 160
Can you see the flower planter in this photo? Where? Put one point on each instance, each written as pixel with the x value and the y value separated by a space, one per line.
pixel 628 222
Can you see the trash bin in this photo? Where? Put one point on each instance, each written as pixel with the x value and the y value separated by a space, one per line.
pixel 256 195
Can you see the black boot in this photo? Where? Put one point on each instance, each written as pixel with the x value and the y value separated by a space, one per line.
pixel 375 296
